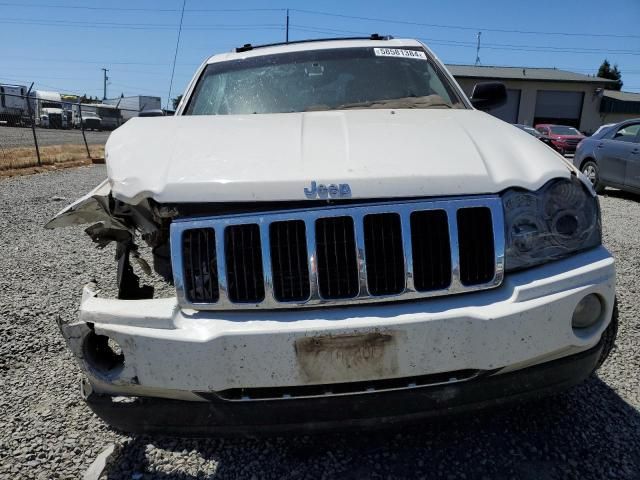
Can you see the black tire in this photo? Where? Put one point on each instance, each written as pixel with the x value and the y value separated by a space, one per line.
pixel 609 336
pixel 592 172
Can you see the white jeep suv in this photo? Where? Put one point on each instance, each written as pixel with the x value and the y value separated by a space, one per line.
pixel 351 243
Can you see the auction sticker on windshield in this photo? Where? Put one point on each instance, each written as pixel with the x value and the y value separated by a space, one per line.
pixel 400 52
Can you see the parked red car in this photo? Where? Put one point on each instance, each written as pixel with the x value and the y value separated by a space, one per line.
pixel 563 137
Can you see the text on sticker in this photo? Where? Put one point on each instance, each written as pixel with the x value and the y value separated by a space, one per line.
pixel 400 52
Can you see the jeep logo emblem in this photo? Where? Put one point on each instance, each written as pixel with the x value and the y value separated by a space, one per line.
pixel 341 190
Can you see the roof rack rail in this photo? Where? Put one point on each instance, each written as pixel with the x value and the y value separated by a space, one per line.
pixel 374 36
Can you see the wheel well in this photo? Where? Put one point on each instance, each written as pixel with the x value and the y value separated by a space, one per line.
pixel 587 159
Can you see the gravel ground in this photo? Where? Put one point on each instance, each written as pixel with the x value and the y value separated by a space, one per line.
pixel 47 432
pixel 23 137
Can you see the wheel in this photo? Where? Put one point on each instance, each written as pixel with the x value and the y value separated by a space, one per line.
pixel 591 171
pixel 609 336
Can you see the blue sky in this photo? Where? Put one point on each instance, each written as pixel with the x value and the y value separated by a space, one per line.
pixel 63 45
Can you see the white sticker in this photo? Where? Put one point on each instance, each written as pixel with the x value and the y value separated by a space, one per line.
pixel 400 52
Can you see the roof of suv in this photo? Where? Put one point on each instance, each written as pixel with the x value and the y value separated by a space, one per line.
pixel 313 45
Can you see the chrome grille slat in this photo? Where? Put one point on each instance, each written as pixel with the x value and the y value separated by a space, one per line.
pixel 356 213
pixel 358 223
pixel 223 301
pixel 310 225
pixel 455 285
pixel 405 223
pixel 266 261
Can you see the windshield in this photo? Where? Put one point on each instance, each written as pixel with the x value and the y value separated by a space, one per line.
pixel 51 105
pixel 562 130
pixel 346 78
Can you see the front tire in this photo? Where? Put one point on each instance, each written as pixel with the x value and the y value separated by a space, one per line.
pixel 592 172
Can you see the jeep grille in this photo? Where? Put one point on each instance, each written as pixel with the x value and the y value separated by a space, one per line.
pixel 339 255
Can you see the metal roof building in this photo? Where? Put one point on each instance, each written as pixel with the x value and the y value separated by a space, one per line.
pixel 620 103
pixel 523 73
pixel 541 95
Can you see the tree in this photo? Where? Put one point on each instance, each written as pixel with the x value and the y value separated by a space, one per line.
pixel 605 71
pixel 176 101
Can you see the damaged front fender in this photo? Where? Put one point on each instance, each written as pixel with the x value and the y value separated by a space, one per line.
pixel 114 221
pixel 94 207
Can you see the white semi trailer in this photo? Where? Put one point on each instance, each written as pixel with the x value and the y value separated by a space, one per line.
pixel 13 104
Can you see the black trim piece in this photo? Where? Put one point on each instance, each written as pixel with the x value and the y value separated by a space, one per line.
pixel 289 262
pixel 247 46
pixel 384 254
pixel 337 259
pixel 475 245
pixel 431 250
pixel 348 388
pixel 243 255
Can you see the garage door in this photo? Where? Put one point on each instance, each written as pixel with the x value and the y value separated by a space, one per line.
pixel 555 106
pixel 509 111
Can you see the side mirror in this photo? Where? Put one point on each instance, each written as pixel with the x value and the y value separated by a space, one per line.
pixel 488 95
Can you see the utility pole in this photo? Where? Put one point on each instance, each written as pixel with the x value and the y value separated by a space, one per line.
pixel 105 78
pixel 287 30
pixel 478 50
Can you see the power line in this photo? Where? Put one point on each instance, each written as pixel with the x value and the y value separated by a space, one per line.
pixel 460 27
pixel 137 26
pixel 137 9
pixel 22 81
pixel 491 46
pixel 94 62
pixel 175 56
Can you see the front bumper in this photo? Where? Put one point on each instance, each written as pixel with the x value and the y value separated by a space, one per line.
pixel 197 357
pixel 380 409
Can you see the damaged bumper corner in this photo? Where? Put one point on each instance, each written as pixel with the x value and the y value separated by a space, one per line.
pixel 101 357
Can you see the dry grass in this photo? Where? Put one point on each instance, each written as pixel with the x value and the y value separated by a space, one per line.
pixel 12 159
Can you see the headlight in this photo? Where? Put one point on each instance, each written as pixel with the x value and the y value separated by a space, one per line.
pixel 561 218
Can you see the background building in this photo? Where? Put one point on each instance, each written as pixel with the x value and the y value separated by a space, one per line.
pixel 131 106
pixel 618 106
pixel 548 95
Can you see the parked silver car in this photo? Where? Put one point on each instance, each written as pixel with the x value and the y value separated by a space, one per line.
pixel 611 157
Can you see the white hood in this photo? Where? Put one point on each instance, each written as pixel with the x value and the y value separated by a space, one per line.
pixel 379 153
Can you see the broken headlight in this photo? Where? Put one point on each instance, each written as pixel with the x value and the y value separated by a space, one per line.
pixel 560 219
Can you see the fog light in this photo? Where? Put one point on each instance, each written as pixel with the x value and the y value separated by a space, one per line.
pixel 587 311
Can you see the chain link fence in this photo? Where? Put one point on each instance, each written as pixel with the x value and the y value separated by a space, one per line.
pixel 46 128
